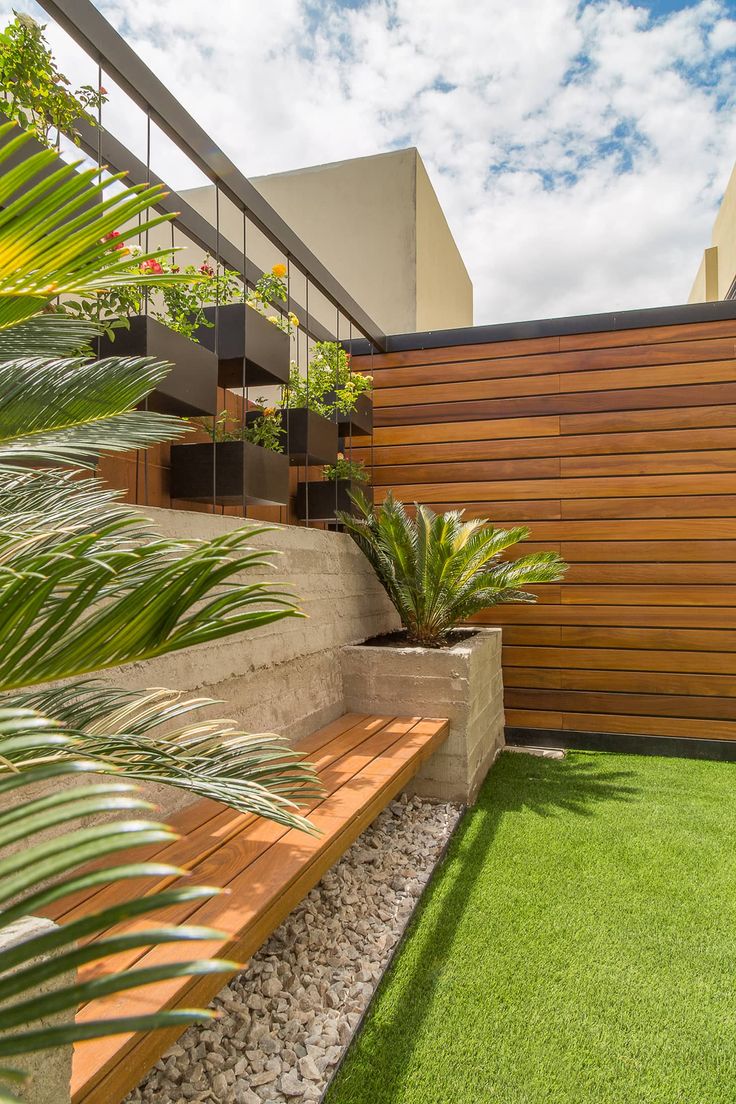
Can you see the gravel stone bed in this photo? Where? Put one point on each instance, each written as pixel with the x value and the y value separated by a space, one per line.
pixel 286 1021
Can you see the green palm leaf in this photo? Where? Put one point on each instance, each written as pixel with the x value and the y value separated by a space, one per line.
pixel 440 571
pixel 51 335
pixel 91 412
pixel 86 585
pixel 52 231
pixel 158 736
pixel 50 868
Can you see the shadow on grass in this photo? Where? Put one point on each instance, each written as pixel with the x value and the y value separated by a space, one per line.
pixel 376 1065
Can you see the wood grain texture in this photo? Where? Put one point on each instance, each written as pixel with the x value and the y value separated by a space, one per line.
pixel 266 869
pixel 618 450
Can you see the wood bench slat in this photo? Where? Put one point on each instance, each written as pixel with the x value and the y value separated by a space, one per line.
pixel 195 824
pixel 222 864
pixel 363 763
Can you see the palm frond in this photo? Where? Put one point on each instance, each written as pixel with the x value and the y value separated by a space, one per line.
pixel 92 602
pixel 53 227
pixel 51 336
pixel 158 736
pixel 439 570
pixel 90 413
pixel 49 868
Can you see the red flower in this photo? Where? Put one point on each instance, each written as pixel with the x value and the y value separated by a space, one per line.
pixel 113 237
pixel 206 269
pixel 151 265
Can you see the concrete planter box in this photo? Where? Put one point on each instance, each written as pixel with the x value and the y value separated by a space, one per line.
pixel 463 683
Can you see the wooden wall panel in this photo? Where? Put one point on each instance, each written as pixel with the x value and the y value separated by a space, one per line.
pixel 618 449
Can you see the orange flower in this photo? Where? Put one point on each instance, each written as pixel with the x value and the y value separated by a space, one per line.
pixel 279 270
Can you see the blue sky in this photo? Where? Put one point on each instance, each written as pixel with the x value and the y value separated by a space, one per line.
pixel 578 149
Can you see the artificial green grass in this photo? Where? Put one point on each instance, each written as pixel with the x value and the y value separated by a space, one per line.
pixel 577 946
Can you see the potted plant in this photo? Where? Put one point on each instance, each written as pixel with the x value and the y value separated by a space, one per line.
pixel 243 461
pixel 333 391
pixel 323 404
pixel 439 571
pixel 40 100
pixel 164 326
pixel 252 345
pixel 348 393
pixel 322 499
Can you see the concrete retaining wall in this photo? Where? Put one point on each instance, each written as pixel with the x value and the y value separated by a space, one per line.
pixel 49 1071
pixel 285 677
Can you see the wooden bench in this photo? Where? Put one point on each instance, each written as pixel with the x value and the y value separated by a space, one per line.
pixel 363 762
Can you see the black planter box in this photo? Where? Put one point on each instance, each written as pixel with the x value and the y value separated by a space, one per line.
pixel 359 423
pixel 267 352
pixel 308 439
pixel 190 387
pixel 327 496
pixel 243 471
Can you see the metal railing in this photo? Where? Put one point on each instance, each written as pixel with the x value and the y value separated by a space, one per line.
pixel 338 317
pixel 91 31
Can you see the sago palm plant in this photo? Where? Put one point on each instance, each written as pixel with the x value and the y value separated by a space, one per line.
pixel 86 585
pixel 439 570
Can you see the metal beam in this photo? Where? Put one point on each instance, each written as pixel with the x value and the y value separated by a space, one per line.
pixel 90 30
pixel 112 152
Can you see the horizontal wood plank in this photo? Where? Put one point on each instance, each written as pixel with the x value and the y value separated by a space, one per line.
pixel 267 869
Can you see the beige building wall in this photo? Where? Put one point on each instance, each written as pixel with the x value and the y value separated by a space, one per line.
pixel 377 225
pixel 444 292
pixel 717 270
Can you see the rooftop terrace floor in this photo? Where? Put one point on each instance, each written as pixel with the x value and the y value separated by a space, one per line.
pixel 577 944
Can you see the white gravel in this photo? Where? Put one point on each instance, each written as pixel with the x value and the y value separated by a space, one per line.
pixel 285 1022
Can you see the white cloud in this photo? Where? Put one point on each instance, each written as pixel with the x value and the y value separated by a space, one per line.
pixel 579 150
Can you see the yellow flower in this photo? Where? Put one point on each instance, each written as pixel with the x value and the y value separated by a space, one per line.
pixel 293 319
pixel 272 318
pixel 279 270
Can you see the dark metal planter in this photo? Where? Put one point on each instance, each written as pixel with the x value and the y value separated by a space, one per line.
pixel 327 496
pixel 264 346
pixel 242 472
pixel 191 386
pixel 359 422
pixel 309 438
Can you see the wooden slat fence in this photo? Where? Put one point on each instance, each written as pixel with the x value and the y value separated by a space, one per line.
pixel 618 449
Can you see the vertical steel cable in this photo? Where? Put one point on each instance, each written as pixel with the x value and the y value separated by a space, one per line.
pixel 373 428
pixel 145 404
pixel 337 412
pixel 244 377
pixel 306 434
pixel 350 369
pixel 217 348
pixel 296 335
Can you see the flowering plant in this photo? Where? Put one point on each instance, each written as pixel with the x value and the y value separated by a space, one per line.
pixel 34 93
pixel 263 429
pixel 272 285
pixel 181 305
pixel 329 384
pixel 346 469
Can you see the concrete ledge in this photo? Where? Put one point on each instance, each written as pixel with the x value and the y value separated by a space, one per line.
pixel 462 683
pixel 49 1072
